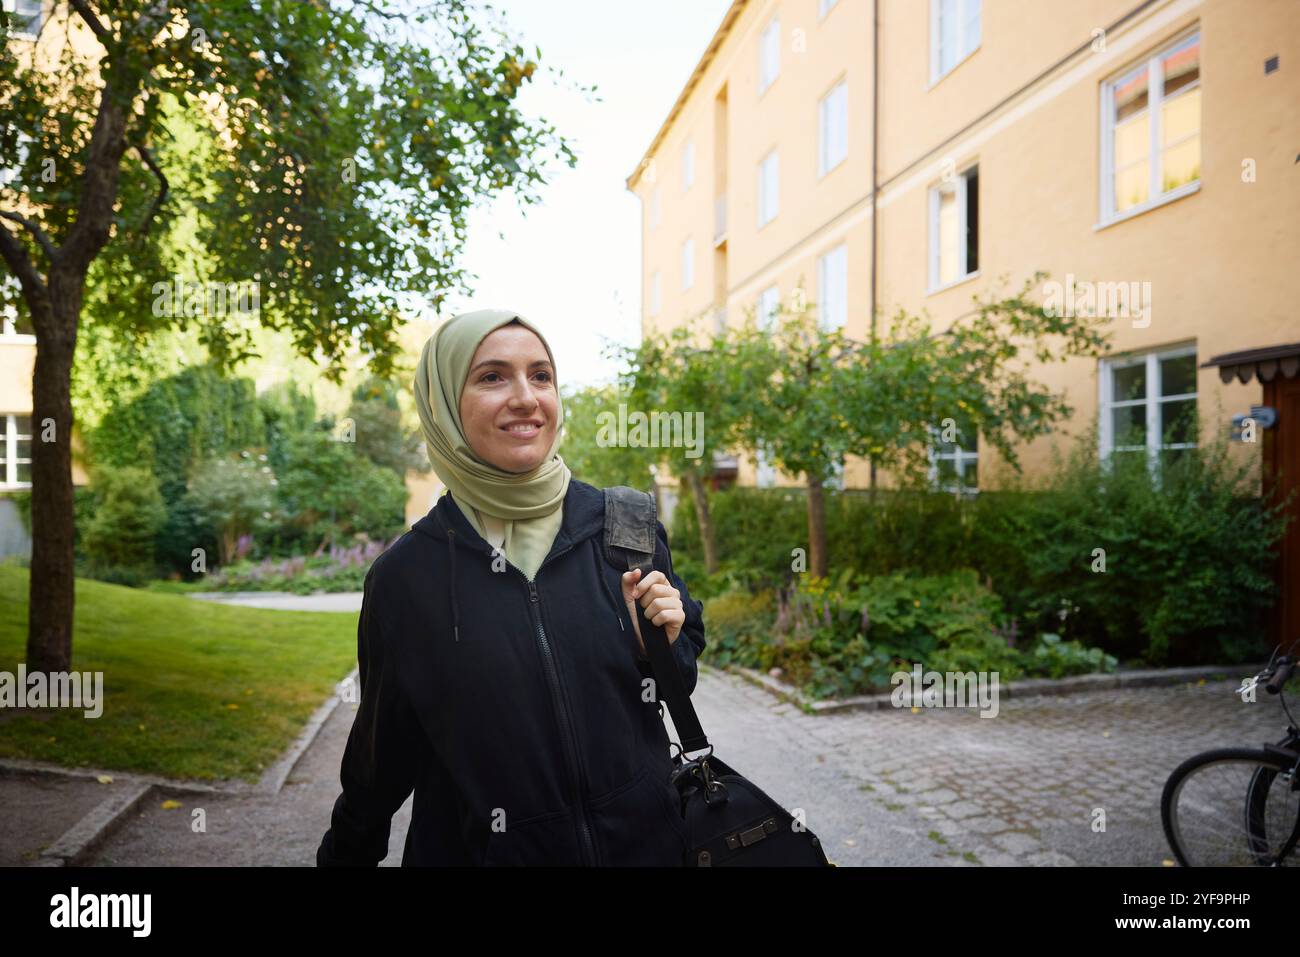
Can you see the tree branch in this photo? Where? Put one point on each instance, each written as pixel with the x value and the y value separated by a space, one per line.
pixel 162 192
pixel 92 21
pixel 35 230
pixel 13 253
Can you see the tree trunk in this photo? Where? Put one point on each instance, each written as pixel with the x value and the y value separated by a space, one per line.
pixel 704 520
pixel 52 587
pixel 816 528
pixel 56 309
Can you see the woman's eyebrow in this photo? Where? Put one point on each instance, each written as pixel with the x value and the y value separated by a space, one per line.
pixel 502 362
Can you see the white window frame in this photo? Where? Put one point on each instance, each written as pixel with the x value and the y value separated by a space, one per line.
pixel 655 300
pixel 960 456
pixel 963 270
pixel 936 36
pixel 1107 403
pixel 764 470
pixel 688 262
pixel 1107 213
pixel 9 460
pixel 769 54
pixel 654 213
pixel 833 118
pixel 768 301
pixel 769 187
pixel 836 479
pixel 833 305
pixel 11 6
pixel 688 165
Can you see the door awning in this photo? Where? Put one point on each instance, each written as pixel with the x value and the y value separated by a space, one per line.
pixel 1266 363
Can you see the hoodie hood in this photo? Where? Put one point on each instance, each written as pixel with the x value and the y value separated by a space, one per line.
pixel 584 519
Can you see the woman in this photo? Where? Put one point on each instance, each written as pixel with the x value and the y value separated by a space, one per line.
pixel 501 679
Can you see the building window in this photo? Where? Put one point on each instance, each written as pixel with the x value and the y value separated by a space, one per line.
pixel 824 7
pixel 654 208
pixel 16 450
pixel 769 55
pixel 25 16
pixel 836 479
pixel 1148 405
pixel 954 34
pixel 765 470
pixel 688 165
pixel 768 304
pixel 954 229
pixel 833 288
pixel 954 465
pixel 654 294
pixel 688 264
pixel 768 188
pixel 833 120
pixel 1151 130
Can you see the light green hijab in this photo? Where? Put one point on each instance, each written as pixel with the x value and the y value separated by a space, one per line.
pixel 529 503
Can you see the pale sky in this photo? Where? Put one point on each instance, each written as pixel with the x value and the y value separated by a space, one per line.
pixel 572 263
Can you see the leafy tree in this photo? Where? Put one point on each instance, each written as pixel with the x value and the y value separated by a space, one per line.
pixel 233 494
pixel 686 373
pixel 375 421
pixel 586 449
pixel 331 491
pixel 344 142
pixel 129 511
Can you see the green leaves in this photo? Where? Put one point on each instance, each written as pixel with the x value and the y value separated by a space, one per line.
pixel 333 151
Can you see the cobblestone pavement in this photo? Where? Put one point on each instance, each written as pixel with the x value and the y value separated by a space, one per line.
pixel 940 786
pixel 892 788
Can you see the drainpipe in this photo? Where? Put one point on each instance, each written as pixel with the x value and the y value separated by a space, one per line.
pixel 875 129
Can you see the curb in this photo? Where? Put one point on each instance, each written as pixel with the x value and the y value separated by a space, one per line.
pixel 1026 688
pixel 273 778
pixel 77 843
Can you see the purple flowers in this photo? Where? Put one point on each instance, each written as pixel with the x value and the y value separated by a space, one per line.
pixel 326 563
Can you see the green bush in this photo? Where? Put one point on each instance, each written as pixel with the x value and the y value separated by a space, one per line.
pixel 852 635
pixel 330 491
pixel 1188 556
pixel 128 512
pixel 234 495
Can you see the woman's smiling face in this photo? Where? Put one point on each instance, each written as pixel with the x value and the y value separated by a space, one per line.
pixel 509 405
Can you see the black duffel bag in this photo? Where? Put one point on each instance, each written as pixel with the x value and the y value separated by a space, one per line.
pixel 729 821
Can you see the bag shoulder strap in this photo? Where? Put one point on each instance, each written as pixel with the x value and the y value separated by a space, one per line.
pixel 631 541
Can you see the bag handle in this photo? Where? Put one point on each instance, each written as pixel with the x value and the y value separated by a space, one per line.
pixel 631 539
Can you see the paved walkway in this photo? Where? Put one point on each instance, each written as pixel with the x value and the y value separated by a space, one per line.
pixel 879 787
pixel 934 787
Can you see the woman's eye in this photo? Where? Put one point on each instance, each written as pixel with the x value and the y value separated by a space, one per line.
pixel 546 376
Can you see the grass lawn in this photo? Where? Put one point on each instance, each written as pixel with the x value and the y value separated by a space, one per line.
pixel 191 689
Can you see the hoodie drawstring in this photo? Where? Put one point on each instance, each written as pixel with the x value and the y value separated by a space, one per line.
pixel 455 605
pixel 451 559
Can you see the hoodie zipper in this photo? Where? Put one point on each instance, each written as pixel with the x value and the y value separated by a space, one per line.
pixel 570 736
pixel 553 679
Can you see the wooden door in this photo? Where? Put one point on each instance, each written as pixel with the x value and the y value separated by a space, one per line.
pixel 1282 472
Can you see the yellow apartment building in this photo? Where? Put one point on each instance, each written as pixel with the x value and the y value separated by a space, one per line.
pixel 876 155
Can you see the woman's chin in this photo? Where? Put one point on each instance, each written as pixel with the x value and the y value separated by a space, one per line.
pixel 521 460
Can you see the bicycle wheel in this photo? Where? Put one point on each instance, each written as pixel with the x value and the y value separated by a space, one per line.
pixel 1233 807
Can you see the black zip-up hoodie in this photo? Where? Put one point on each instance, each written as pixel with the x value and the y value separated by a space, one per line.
pixel 516 710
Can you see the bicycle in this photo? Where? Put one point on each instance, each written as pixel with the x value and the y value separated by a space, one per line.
pixel 1204 821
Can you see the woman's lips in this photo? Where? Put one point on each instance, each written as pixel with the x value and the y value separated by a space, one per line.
pixel 529 433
